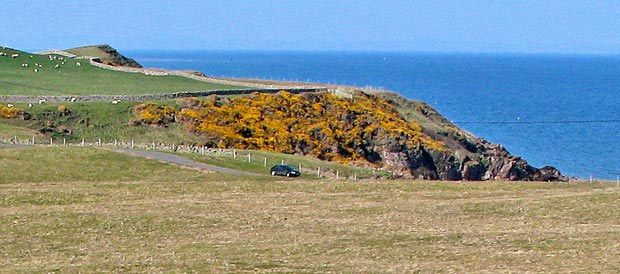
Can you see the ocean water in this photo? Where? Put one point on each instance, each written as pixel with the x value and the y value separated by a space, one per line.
pixel 562 111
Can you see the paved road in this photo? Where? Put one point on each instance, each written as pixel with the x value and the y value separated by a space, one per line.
pixel 175 159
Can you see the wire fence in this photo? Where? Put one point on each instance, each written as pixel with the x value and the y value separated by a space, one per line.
pixel 251 160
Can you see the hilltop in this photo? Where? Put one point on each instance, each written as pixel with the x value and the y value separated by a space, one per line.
pixel 105 54
pixel 344 124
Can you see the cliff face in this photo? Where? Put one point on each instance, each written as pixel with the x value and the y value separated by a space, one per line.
pixel 105 54
pixel 467 158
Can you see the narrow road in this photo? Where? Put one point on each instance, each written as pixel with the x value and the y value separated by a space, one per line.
pixel 14 146
pixel 175 159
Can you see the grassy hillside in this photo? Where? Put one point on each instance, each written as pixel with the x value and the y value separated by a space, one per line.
pixel 70 79
pixel 135 215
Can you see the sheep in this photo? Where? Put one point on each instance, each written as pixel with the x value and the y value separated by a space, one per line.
pixel 42 101
pixel 14 55
pixel 77 64
pixel 36 70
pixel 114 102
pixel 56 66
pixel 24 65
pixel 73 99
pixel 29 105
pixel 9 105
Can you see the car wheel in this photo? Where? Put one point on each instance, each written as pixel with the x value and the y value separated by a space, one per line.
pixel 288 174
pixel 273 173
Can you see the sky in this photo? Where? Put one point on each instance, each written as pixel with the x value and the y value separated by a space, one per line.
pixel 477 26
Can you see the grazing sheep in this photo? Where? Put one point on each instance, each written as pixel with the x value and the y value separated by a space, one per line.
pixel 114 102
pixel 78 64
pixel 10 105
pixel 73 99
pixel 14 55
pixel 42 101
pixel 29 105
pixel 36 70
pixel 24 65
pixel 56 66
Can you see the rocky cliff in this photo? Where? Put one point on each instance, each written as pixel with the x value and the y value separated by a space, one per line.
pixel 467 157
pixel 105 54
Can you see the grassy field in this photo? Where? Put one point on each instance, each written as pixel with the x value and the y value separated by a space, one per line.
pixel 70 79
pixel 88 210
pixel 91 121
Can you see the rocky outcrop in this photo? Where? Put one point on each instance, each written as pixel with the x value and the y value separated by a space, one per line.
pixel 466 158
pixel 118 59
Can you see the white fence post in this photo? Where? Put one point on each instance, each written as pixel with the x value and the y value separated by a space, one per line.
pixel 337 174
pixel 51 142
pixel 249 157
pixel 64 141
pixel 318 172
pixel 33 140
pixel 131 143
pixel 265 164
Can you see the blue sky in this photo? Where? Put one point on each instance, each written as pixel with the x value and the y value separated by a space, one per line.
pixel 571 26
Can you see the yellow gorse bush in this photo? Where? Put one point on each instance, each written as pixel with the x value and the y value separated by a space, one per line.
pixel 318 124
pixel 9 112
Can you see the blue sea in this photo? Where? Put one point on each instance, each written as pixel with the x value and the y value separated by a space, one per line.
pixel 562 111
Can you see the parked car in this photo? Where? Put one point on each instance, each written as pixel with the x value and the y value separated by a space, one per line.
pixel 284 170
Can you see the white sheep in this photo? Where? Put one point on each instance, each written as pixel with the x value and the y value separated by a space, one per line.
pixel 73 99
pixel 36 70
pixel 78 64
pixel 56 66
pixel 29 105
pixel 42 101
pixel 24 65
pixel 10 105
pixel 14 55
pixel 114 102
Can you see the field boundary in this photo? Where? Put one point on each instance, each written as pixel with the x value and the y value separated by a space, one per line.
pixel 148 97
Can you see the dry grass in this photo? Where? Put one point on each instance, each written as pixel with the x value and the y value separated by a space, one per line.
pixel 309 226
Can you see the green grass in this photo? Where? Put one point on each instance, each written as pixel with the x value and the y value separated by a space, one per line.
pixel 86 79
pixel 163 218
pixel 44 164
pixel 92 121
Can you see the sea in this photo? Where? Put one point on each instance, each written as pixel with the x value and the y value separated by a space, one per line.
pixel 552 110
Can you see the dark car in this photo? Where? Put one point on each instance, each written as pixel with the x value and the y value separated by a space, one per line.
pixel 284 170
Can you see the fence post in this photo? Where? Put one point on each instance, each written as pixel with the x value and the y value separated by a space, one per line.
pixel 234 154
pixel 64 141
pixel 131 143
pixel 99 142
pixel 33 140
pixel 83 143
pixel 250 157
pixel 355 177
pixel 153 145
pixel 337 174
pixel 299 167
pixel 318 172
pixel 265 164
pixel 51 142
pixel 282 161
pixel 115 142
